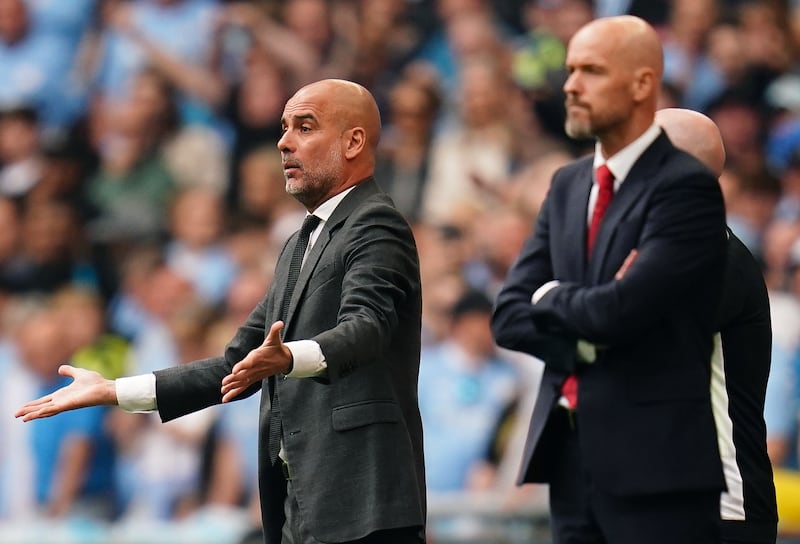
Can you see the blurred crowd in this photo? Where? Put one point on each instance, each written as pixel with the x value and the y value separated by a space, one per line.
pixel 142 205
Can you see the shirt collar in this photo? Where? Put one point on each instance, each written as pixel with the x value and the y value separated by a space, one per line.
pixel 325 210
pixel 621 162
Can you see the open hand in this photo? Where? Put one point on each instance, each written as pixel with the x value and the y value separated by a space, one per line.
pixel 88 388
pixel 270 358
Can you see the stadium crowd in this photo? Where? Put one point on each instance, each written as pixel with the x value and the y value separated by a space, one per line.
pixel 142 205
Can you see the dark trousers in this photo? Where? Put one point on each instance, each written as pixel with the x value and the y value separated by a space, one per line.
pixel 583 514
pixel 295 530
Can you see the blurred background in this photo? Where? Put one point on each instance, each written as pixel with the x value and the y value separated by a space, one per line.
pixel 142 206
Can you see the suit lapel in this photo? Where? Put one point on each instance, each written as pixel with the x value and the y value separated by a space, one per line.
pixel 334 222
pixel 644 170
pixel 576 229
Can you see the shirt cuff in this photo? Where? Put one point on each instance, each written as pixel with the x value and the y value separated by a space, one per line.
pixel 308 360
pixel 587 352
pixel 543 290
pixel 137 393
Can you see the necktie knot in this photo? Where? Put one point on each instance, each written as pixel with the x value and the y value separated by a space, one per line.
pixel 309 224
pixel 605 179
pixel 605 190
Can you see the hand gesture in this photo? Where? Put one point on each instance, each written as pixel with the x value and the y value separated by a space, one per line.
pixel 268 359
pixel 88 388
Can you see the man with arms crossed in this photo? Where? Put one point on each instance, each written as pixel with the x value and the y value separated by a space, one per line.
pixel 634 457
pixel 340 436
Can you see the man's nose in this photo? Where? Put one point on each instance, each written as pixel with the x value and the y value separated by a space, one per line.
pixel 571 84
pixel 283 142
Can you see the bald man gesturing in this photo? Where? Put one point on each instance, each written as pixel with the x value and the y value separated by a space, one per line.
pixel 333 346
pixel 741 360
pixel 622 429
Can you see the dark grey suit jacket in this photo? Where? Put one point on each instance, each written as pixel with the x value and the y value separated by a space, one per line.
pixel 644 417
pixel 353 438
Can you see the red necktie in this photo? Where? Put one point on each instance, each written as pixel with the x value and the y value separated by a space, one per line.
pixel 605 182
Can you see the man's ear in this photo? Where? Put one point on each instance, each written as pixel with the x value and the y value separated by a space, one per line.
pixel 644 83
pixel 356 140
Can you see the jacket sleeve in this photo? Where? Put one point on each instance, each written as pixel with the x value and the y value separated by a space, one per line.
pixel 513 325
pixel 381 273
pixel 679 267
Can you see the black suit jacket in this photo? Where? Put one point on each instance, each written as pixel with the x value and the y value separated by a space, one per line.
pixel 644 418
pixel 743 352
pixel 353 438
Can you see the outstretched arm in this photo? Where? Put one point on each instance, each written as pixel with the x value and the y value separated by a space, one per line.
pixel 88 388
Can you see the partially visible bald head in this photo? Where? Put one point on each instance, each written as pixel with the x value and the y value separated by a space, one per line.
pixel 696 134
pixel 349 103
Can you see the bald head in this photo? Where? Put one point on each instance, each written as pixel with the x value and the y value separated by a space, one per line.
pixel 632 41
pixel 349 103
pixel 696 134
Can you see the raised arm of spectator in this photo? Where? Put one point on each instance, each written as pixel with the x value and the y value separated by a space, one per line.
pixel 204 83
pixel 289 51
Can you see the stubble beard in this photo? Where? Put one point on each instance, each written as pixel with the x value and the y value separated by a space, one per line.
pixel 315 185
pixel 578 128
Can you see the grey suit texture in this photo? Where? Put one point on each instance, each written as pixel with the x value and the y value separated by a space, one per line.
pixel 353 437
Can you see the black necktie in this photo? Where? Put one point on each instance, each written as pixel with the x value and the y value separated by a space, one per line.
pixel 309 224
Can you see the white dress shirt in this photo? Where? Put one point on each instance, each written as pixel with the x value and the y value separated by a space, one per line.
pixel 619 165
pixel 138 393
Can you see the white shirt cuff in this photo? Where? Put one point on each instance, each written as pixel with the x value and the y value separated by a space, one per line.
pixel 137 393
pixel 308 359
pixel 543 290
pixel 587 352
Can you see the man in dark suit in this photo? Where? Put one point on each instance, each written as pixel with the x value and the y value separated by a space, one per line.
pixel 740 362
pixel 622 429
pixel 337 361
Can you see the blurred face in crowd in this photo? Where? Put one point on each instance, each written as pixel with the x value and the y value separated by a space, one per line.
pixel 261 93
pixel 483 97
pixel 13 21
pixel 19 138
pixel 81 314
pixel 197 218
pixel 40 343
pixel 48 231
pixel 259 193
pixel 473 331
pixel 308 20
pixel 412 110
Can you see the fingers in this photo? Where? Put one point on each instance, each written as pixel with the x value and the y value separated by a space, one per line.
pixel 626 264
pixel 36 409
pixel 235 383
pixel 67 370
pixel 232 394
pixel 274 335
